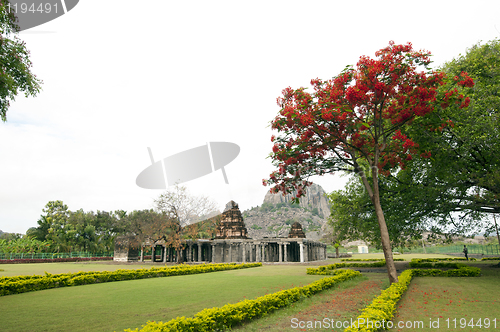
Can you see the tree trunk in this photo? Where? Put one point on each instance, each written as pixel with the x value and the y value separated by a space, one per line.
pixel 384 233
pixel 337 252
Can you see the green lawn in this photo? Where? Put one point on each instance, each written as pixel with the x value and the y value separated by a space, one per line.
pixel 55 268
pixel 130 304
pixel 440 299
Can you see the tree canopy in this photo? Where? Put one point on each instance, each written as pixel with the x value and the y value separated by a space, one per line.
pixel 15 64
pixel 357 119
pixel 452 191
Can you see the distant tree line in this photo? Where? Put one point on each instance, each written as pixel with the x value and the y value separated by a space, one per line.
pixel 177 216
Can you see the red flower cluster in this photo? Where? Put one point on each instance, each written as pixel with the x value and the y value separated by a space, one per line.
pixel 356 114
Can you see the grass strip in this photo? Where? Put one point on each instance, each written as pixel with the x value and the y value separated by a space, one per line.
pixel 232 315
pixel 379 314
pixel 22 284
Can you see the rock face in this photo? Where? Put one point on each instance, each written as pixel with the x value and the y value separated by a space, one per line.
pixel 313 199
pixel 275 217
pixel 231 225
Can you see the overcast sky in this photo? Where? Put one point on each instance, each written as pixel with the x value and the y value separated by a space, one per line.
pixel 121 76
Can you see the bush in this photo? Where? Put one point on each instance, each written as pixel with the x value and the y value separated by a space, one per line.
pixel 330 269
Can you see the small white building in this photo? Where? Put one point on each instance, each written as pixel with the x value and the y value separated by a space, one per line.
pixel 362 249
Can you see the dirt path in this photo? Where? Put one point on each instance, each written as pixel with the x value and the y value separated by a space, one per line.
pixel 338 305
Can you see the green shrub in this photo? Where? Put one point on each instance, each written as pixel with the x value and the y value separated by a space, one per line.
pixel 328 269
pixel 370 260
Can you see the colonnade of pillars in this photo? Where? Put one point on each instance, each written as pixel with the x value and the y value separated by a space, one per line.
pixel 233 251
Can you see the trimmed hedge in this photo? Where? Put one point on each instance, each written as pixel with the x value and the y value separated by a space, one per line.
pixel 435 265
pixel 230 315
pixel 22 284
pixel 490 259
pixel 328 269
pixel 370 260
pixel 53 260
pixel 420 260
pixel 382 308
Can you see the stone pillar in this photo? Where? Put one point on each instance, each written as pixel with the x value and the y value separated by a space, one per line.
pixel 258 252
pixel 199 252
pixel 230 252
pixel 301 252
pixel 285 254
pixel 244 253
pixel 153 253
pixel 142 253
pixel 280 252
pixel 213 253
pixel 263 248
pixel 164 251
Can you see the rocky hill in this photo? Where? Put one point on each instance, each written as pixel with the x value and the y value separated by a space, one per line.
pixel 276 215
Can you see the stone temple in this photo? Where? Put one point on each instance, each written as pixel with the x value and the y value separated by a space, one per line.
pixel 231 244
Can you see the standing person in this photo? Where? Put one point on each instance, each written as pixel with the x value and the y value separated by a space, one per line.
pixel 466 252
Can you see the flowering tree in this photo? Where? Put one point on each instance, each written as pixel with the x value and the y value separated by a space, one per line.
pixel 355 119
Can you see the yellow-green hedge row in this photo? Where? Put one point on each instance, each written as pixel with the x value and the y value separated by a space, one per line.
pixel 21 284
pixel 369 260
pixel 328 269
pixel 381 310
pixel 421 260
pixel 490 258
pixel 230 315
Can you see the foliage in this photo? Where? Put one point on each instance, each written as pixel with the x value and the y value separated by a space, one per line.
pixel 183 211
pixel 356 120
pixel 369 259
pixel 67 231
pixel 21 284
pixel 330 269
pixel 231 315
pixel 15 63
pixel 23 245
pixel 453 191
pixel 420 260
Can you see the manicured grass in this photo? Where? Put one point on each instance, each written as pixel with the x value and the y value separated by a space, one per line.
pixel 115 306
pixel 431 299
pixel 55 268
pixel 339 303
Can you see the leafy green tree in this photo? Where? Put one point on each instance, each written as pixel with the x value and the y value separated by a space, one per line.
pixel 356 119
pixel 453 191
pixel 15 72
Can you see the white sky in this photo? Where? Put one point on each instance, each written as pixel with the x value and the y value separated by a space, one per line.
pixel 121 76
